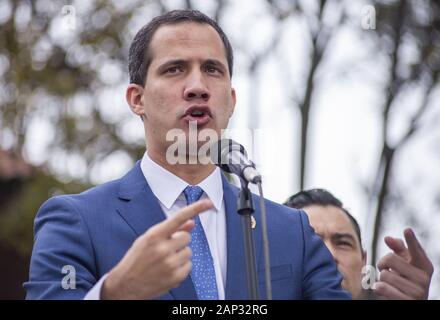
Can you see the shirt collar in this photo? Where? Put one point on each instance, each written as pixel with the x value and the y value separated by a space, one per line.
pixel 167 187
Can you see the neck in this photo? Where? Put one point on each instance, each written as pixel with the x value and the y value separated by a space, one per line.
pixel 191 173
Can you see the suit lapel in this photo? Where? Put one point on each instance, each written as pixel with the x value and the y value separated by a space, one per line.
pixel 141 210
pixel 236 280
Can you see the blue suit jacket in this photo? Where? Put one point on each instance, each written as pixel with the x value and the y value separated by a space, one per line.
pixel 93 230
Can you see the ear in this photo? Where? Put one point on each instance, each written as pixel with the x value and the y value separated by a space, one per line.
pixel 364 257
pixel 135 99
pixel 234 101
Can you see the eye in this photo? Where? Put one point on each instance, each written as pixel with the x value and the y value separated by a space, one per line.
pixel 213 70
pixel 174 70
pixel 344 244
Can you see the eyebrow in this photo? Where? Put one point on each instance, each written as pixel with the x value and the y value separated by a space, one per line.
pixel 175 62
pixel 171 63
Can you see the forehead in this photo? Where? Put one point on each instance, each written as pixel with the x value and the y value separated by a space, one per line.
pixel 187 39
pixel 329 220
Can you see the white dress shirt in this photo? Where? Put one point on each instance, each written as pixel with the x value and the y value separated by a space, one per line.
pixel 168 189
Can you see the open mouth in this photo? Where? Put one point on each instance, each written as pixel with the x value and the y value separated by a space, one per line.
pixel 199 114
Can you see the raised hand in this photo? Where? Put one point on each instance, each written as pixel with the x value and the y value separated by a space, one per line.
pixel 158 260
pixel 406 272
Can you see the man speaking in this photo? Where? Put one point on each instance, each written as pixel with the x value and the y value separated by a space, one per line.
pixel 171 231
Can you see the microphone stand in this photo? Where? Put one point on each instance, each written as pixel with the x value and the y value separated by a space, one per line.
pixel 245 209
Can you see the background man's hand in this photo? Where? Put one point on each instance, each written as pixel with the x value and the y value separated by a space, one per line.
pixel 158 260
pixel 406 272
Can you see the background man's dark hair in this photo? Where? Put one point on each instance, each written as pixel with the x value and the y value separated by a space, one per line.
pixel 139 58
pixel 321 197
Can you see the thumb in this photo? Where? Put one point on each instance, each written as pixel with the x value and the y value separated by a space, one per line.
pixel 187 226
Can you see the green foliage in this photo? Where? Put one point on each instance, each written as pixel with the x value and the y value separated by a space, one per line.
pixel 16 220
pixel 46 67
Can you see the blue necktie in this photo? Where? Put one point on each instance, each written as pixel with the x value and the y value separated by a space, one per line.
pixel 202 273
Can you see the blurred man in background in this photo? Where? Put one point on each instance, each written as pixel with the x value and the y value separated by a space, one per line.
pixel 405 273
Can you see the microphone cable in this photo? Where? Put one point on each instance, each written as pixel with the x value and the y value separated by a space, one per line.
pixel 267 276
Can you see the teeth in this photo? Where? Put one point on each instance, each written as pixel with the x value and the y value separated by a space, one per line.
pixel 197 113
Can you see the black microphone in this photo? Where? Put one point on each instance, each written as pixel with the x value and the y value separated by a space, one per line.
pixel 231 157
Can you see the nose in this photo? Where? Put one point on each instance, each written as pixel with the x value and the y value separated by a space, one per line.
pixel 332 251
pixel 196 88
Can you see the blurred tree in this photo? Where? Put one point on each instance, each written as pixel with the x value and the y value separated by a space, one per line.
pixel 257 58
pixel 51 70
pixel 323 19
pixel 408 34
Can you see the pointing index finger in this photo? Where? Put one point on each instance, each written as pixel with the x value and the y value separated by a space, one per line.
pixel 171 225
pixel 418 255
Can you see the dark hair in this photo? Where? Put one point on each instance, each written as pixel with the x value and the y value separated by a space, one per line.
pixel 139 58
pixel 323 198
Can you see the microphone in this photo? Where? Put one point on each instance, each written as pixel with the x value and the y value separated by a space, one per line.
pixel 231 157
